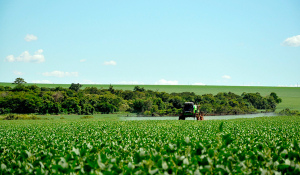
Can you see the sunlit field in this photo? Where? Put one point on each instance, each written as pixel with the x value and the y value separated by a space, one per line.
pixel 259 145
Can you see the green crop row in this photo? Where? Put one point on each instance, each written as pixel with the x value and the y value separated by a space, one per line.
pixel 244 146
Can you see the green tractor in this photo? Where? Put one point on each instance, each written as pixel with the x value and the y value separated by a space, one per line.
pixel 190 110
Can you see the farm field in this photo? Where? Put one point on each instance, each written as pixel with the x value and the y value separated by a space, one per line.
pixel 244 146
pixel 290 95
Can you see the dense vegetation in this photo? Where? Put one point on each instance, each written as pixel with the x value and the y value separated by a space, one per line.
pixel 290 95
pixel 21 117
pixel 90 100
pixel 246 146
pixel 289 112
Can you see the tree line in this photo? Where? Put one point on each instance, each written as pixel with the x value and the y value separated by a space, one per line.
pixel 90 100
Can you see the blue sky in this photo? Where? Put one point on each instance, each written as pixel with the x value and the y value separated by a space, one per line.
pixel 253 43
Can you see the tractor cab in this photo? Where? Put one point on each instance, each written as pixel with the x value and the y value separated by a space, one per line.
pixel 188 107
pixel 190 110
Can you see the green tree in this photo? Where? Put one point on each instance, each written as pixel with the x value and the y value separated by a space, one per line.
pixel 139 89
pixel 147 105
pixel 45 89
pixel 158 101
pixel 111 89
pixel 177 102
pixel 164 96
pixel 7 88
pixel 206 108
pixel 105 108
pixel 20 87
pixel 34 88
pixel 72 105
pixel 19 81
pixel 233 103
pixel 138 105
pixel 75 87
pixel 276 98
pixel 91 90
pixel 128 95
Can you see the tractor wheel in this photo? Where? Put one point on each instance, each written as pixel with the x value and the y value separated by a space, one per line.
pixel 181 117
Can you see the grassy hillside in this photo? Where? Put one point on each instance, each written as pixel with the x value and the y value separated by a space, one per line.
pixel 290 95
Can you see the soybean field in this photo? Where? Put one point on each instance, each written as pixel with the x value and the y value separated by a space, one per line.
pixel 263 145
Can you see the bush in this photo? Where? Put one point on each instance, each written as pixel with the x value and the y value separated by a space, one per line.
pixel 148 113
pixel 21 117
pixel 289 112
pixel 87 117
pixel 11 117
pixel 162 112
pixel 106 108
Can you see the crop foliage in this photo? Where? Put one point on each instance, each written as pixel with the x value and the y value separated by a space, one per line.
pixel 246 146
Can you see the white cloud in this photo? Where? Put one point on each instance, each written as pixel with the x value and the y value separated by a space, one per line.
pixel 26 57
pixel 88 82
pixel 295 85
pixel 226 77
pixel 60 74
pixel 18 73
pixel 42 81
pixel 129 82
pixel 82 60
pixel 198 84
pixel 110 63
pixel 293 41
pixel 30 37
pixel 165 82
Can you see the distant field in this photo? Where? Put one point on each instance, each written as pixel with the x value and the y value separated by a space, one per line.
pixel 290 95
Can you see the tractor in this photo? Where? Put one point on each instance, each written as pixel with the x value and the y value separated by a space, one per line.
pixel 191 110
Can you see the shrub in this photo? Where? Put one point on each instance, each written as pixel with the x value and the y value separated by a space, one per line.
pixel 289 112
pixel 11 117
pixel 21 117
pixel 87 117
pixel 148 113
